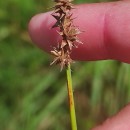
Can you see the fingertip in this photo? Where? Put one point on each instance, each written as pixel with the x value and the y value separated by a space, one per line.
pixel 34 24
pixel 34 27
pixel 40 31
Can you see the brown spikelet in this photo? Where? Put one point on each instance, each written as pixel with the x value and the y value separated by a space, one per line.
pixel 67 31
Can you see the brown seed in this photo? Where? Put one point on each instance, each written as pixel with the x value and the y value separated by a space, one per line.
pixel 67 31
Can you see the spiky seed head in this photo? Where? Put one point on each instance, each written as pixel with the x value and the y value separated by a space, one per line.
pixel 67 31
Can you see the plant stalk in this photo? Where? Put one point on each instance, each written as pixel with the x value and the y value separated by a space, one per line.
pixel 71 99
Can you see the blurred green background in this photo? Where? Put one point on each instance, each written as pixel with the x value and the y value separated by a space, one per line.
pixel 33 95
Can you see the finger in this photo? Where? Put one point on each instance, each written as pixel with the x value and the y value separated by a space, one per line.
pixel 121 121
pixel 106 36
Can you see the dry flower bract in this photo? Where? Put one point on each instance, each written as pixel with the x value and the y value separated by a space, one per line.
pixel 67 31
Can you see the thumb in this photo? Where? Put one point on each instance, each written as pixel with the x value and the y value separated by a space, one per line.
pixel 120 121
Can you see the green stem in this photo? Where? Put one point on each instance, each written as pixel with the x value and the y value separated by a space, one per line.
pixel 71 99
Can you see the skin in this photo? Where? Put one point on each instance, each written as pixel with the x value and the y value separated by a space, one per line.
pixel 106 35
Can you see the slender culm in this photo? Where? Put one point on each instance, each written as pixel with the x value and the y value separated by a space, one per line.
pixel 68 32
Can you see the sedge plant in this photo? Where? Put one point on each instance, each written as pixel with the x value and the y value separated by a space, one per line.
pixel 68 32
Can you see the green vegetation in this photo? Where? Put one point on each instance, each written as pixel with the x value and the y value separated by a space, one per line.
pixel 33 96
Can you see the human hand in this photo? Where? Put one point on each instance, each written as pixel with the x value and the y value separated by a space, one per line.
pixel 106 36
pixel 120 121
